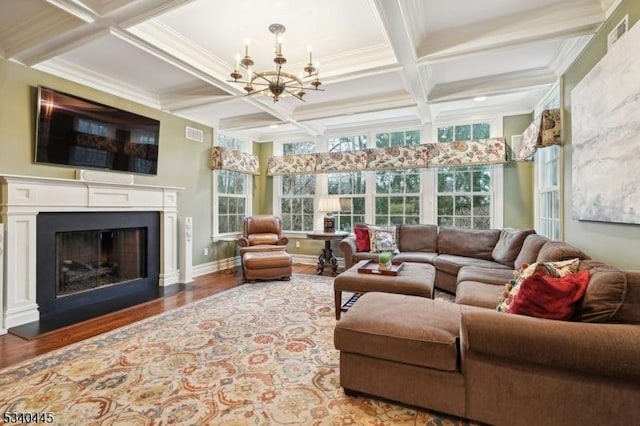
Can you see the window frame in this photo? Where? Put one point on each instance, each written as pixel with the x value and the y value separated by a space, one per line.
pixel 248 190
pixel 496 191
pixel 541 160
pixel 278 186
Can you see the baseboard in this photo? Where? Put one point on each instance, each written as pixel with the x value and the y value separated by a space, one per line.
pixel 219 265
pixel 215 266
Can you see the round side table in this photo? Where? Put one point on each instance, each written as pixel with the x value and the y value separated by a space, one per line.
pixel 326 257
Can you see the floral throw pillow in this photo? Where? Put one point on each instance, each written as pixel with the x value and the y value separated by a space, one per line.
pixel 383 238
pixel 551 269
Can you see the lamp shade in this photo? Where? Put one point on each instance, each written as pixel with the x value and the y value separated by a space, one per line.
pixel 328 204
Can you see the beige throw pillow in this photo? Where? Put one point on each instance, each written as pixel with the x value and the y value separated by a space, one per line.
pixel 383 239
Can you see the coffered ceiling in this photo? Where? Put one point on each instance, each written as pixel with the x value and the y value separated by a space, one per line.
pixel 416 61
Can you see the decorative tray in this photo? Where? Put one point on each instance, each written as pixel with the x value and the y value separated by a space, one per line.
pixel 373 267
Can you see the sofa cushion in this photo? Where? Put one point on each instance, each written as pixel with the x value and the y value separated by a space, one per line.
pixel 451 264
pixel 552 269
pixel 605 293
pixel 361 232
pixel 405 329
pixel 542 296
pixel 474 293
pixel 418 238
pixel 553 251
pixel 485 275
pixel 509 245
pixel 383 238
pixel 418 257
pixel 474 243
pixel 530 249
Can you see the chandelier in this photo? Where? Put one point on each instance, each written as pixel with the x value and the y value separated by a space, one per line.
pixel 276 83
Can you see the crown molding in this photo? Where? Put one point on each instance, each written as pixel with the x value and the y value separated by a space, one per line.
pixel 70 71
pixel 609 6
pixel 568 53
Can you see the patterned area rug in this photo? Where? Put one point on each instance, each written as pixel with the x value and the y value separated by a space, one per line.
pixel 258 354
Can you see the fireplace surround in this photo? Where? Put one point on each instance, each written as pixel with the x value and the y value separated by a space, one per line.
pixel 23 198
pixel 88 261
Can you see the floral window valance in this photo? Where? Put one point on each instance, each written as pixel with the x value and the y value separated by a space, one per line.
pixel 449 154
pixel 223 158
pixel 544 131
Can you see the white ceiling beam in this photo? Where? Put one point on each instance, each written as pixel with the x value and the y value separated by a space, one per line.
pixel 568 19
pixel 247 122
pixel 493 85
pixel 394 23
pixel 354 106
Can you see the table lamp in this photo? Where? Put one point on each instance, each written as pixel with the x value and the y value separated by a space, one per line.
pixel 328 205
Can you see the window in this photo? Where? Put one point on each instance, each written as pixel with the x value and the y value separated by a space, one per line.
pixel 548 223
pixel 231 196
pixel 547 176
pixel 397 192
pixel 464 194
pixel 297 193
pixel 350 186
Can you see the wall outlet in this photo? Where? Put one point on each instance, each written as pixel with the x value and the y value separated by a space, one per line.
pixel 297 244
pixel 206 251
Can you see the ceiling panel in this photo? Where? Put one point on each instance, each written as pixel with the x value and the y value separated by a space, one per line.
pixel 117 59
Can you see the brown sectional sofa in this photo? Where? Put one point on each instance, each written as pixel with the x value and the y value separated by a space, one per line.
pixel 471 361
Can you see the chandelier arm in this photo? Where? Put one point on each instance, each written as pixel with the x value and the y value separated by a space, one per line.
pixel 294 95
pixel 257 92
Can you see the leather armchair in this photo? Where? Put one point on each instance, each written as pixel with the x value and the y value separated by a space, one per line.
pixel 263 249
pixel 262 230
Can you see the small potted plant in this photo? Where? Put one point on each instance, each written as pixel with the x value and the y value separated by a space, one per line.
pixel 384 261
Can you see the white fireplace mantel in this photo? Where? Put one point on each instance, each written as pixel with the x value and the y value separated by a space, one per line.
pixel 23 197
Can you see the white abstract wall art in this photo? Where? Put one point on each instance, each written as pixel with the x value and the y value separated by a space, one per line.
pixel 605 109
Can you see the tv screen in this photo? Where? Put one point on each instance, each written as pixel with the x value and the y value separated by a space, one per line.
pixel 77 132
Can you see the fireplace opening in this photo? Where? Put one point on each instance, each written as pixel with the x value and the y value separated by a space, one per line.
pixel 86 260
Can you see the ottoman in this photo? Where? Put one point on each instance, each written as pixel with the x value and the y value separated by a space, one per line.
pixel 266 265
pixel 414 279
pixel 403 348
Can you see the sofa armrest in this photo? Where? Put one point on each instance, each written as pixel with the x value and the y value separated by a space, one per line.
pixel 243 242
pixel 604 349
pixel 348 247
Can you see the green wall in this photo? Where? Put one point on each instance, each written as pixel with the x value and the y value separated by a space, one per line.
pixel 263 184
pixel 182 163
pixel 616 244
pixel 518 179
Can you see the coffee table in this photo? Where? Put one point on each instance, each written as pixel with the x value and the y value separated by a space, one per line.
pixel 414 279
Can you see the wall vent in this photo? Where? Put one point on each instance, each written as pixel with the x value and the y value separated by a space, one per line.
pixel 194 134
pixel 618 31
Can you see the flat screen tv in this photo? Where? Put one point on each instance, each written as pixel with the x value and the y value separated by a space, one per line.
pixel 80 133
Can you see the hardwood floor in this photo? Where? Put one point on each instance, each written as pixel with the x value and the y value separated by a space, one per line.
pixel 14 349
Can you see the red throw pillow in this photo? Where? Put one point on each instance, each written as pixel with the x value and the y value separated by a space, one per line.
pixel 543 296
pixel 362 238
